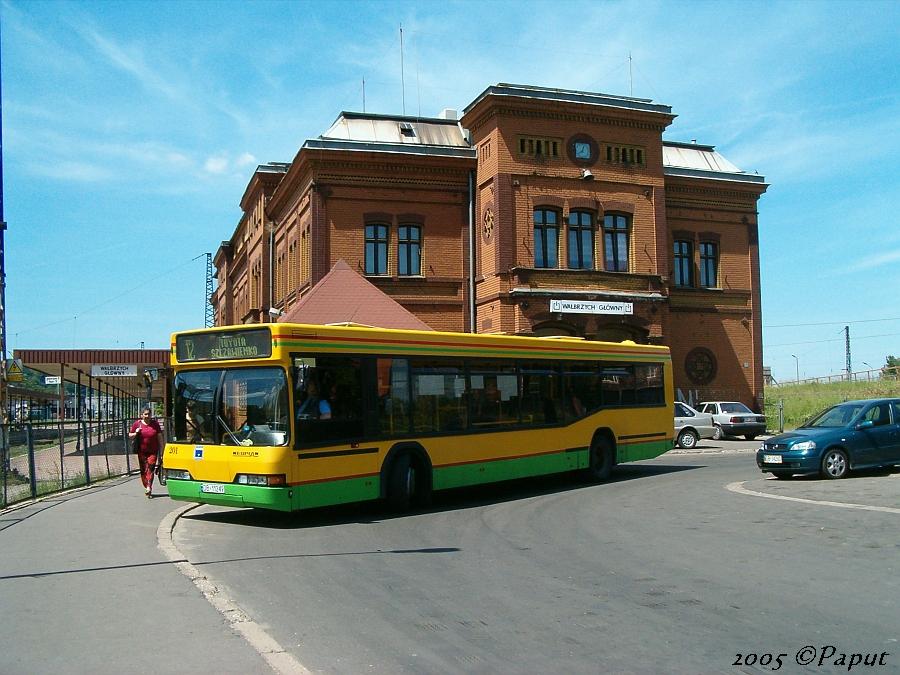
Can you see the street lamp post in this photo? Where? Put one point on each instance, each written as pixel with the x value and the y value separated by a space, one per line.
pixel 797 363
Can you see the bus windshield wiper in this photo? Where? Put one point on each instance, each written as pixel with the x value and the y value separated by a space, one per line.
pixel 228 430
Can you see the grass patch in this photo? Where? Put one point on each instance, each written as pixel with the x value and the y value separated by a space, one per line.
pixel 802 401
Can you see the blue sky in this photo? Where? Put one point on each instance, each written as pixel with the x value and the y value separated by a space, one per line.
pixel 130 130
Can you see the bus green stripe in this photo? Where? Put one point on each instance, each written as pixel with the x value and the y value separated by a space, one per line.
pixel 638 451
pixel 507 469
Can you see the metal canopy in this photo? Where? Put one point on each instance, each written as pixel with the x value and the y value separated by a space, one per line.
pixel 68 363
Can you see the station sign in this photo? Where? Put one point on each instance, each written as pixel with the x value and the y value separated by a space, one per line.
pixel 52 379
pixel 590 307
pixel 113 371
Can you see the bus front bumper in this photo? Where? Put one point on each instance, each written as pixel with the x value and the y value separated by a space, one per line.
pixel 231 494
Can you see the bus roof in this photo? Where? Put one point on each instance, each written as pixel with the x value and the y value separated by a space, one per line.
pixel 359 339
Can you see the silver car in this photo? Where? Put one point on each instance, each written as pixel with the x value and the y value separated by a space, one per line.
pixel 733 418
pixel 691 426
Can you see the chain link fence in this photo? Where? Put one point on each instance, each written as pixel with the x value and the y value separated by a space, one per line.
pixel 39 458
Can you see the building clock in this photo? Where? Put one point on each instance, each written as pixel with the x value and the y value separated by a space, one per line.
pixel 582 150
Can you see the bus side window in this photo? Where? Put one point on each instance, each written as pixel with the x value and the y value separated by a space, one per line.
pixel 330 403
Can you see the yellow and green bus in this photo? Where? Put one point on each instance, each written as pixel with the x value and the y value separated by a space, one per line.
pixel 292 416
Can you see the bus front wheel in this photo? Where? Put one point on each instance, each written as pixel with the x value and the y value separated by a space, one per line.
pixel 601 459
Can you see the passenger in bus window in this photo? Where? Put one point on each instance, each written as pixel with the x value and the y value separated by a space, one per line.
pixel 194 422
pixel 314 406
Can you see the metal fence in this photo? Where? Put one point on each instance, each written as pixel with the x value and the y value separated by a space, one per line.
pixel 38 458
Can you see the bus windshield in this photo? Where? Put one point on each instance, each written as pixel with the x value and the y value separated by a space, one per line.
pixel 232 406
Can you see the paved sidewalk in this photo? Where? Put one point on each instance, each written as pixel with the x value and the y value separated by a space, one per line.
pixel 85 589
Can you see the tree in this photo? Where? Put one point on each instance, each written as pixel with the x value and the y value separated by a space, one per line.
pixel 891 367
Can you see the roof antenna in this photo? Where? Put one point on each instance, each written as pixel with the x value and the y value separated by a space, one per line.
pixel 402 80
pixel 364 94
pixel 630 76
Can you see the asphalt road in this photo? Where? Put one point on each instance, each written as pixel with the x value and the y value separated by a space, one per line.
pixel 662 569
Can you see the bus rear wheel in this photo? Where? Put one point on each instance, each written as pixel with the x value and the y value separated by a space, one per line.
pixel 407 484
pixel 601 459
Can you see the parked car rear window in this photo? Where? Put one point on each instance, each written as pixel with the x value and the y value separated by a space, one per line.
pixel 735 408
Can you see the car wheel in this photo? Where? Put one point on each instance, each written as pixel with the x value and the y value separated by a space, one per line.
pixel 783 475
pixel 750 437
pixel 687 439
pixel 718 434
pixel 835 464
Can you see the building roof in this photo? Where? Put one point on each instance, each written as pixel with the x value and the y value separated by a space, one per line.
pixel 394 133
pixel 571 96
pixel 702 161
pixel 343 296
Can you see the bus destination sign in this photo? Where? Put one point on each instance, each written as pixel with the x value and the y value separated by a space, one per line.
pixel 254 343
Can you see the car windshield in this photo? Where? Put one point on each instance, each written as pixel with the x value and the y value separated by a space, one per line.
pixel 233 406
pixel 837 416
pixel 735 408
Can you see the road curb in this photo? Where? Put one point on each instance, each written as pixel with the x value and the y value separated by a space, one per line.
pixel 274 654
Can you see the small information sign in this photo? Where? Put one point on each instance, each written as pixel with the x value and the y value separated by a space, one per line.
pixel 113 371
pixel 52 379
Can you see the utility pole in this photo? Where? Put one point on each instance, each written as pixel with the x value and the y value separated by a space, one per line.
pixel 210 314
pixel 4 393
pixel 847 341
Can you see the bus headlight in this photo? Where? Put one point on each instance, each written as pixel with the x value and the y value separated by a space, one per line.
pixel 177 474
pixel 260 479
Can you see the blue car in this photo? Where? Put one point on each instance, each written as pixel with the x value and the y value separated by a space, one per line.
pixel 848 436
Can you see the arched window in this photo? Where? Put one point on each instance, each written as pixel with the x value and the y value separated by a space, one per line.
pixel 581 240
pixel 376 248
pixel 684 263
pixel 546 237
pixel 615 242
pixel 409 250
pixel 709 264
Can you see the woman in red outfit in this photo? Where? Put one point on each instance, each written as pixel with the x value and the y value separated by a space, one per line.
pixel 149 430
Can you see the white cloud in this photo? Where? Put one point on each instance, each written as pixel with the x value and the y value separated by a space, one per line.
pixel 71 171
pixel 246 159
pixel 878 260
pixel 216 165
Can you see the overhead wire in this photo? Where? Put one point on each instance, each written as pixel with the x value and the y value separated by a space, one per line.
pixel 75 316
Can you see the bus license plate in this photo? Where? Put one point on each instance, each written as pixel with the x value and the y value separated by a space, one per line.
pixel 215 488
pixel 772 459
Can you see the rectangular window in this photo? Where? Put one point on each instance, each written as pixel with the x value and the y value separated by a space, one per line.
pixel 376 249
pixel 625 155
pixel 494 393
pixel 546 238
pixel 617 384
pixel 539 147
pixel 709 264
pixel 438 396
pixel 541 394
pixel 581 240
pixel 409 252
pixel 329 398
pixel 392 377
pixel 648 380
pixel 615 242
pixel 684 263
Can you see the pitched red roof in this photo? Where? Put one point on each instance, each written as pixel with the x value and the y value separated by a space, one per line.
pixel 344 296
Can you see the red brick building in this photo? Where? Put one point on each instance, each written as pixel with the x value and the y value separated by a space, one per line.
pixel 539 212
